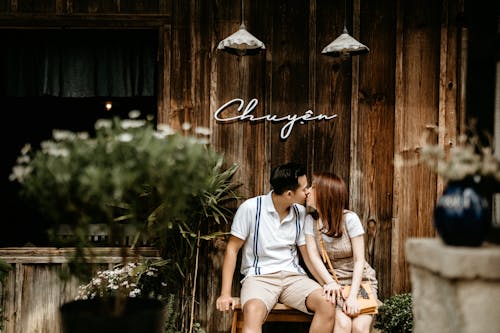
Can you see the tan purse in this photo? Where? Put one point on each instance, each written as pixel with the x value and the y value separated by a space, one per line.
pixel 366 300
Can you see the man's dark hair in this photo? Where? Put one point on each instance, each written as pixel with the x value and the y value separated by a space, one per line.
pixel 285 177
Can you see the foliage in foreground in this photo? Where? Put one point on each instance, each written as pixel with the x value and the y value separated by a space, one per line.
pixel 173 188
pixel 128 173
pixel 396 315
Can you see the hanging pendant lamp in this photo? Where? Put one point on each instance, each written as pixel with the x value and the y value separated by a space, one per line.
pixel 345 45
pixel 241 42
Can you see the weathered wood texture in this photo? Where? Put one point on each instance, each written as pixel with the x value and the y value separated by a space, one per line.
pixel 34 291
pixel 416 108
pixel 372 136
pixel 385 101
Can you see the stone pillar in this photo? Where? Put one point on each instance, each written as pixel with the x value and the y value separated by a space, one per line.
pixel 454 289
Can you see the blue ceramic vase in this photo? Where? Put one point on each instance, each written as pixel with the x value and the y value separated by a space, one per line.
pixel 462 216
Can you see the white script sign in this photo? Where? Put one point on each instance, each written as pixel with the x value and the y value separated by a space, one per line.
pixel 247 116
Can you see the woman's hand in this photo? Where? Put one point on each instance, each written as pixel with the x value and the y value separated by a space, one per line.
pixel 332 291
pixel 351 306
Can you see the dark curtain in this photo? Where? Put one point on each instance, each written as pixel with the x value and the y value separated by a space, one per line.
pixel 78 63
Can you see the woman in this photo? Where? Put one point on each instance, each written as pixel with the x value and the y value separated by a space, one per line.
pixel 342 234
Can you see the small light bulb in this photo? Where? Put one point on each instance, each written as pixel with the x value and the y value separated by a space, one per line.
pixel 108 106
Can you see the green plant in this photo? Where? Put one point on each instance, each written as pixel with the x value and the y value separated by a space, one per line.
pixel 129 174
pixel 396 314
pixel 215 206
pixel 170 186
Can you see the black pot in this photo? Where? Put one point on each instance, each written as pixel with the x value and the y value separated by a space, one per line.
pixel 462 215
pixel 99 315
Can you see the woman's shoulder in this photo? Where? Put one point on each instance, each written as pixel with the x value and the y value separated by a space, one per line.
pixel 353 223
pixel 349 214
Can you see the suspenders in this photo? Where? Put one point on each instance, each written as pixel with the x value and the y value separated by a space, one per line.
pixel 256 236
pixel 256 232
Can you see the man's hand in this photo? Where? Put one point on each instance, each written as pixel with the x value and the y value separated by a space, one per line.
pixel 224 303
pixel 332 291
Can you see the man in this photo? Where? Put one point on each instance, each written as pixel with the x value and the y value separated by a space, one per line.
pixel 269 229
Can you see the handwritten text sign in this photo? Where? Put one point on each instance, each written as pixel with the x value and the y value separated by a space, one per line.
pixel 246 115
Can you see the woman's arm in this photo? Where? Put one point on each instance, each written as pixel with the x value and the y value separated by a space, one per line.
pixel 351 306
pixel 330 288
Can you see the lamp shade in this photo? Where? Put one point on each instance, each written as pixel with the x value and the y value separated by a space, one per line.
pixel 345 45
pixel 241 43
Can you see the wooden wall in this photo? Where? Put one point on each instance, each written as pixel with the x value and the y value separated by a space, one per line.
pixel 411 81
pixel 34 291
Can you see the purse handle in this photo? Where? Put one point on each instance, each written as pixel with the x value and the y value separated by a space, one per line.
pixel 324 254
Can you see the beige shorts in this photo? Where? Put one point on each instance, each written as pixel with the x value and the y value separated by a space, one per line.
pixel 288 288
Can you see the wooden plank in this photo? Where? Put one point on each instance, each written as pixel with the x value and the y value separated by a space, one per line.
pixel 117 21
pixel 372 136
pixel 61 255
pixel 227 74
pixel 417 61
pixel 290 79
pixel 240 77
pixel 164 72
pixel 448 83
pixel 333 97
pixel 8 297
pixel 181 54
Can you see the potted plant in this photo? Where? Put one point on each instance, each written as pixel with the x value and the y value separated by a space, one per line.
pixel 128 174
pixel 396 314
pixel 139 280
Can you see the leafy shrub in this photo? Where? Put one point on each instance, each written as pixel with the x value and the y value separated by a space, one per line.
pixel 130 172
pixel 396 315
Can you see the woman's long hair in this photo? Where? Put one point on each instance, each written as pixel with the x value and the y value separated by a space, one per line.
pixel 331 200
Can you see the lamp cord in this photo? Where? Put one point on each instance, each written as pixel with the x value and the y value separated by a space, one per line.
pixel 345 14
pixel 242 12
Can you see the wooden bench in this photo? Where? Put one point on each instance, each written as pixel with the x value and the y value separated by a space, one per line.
pixel 280 313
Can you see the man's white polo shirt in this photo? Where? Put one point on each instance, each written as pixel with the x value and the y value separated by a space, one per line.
pixel 270 246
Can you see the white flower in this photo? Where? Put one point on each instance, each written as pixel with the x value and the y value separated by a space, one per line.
pixel 134 114
pixel 103 123
pixel 203 131
pixel 186 126
pixel 134 293
pixel 132 123
pixel 19 172
pixel 125 137
pixel 82 135
pixel 123 279
pixel 61 135
pixel 26 149
pixel 163 130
